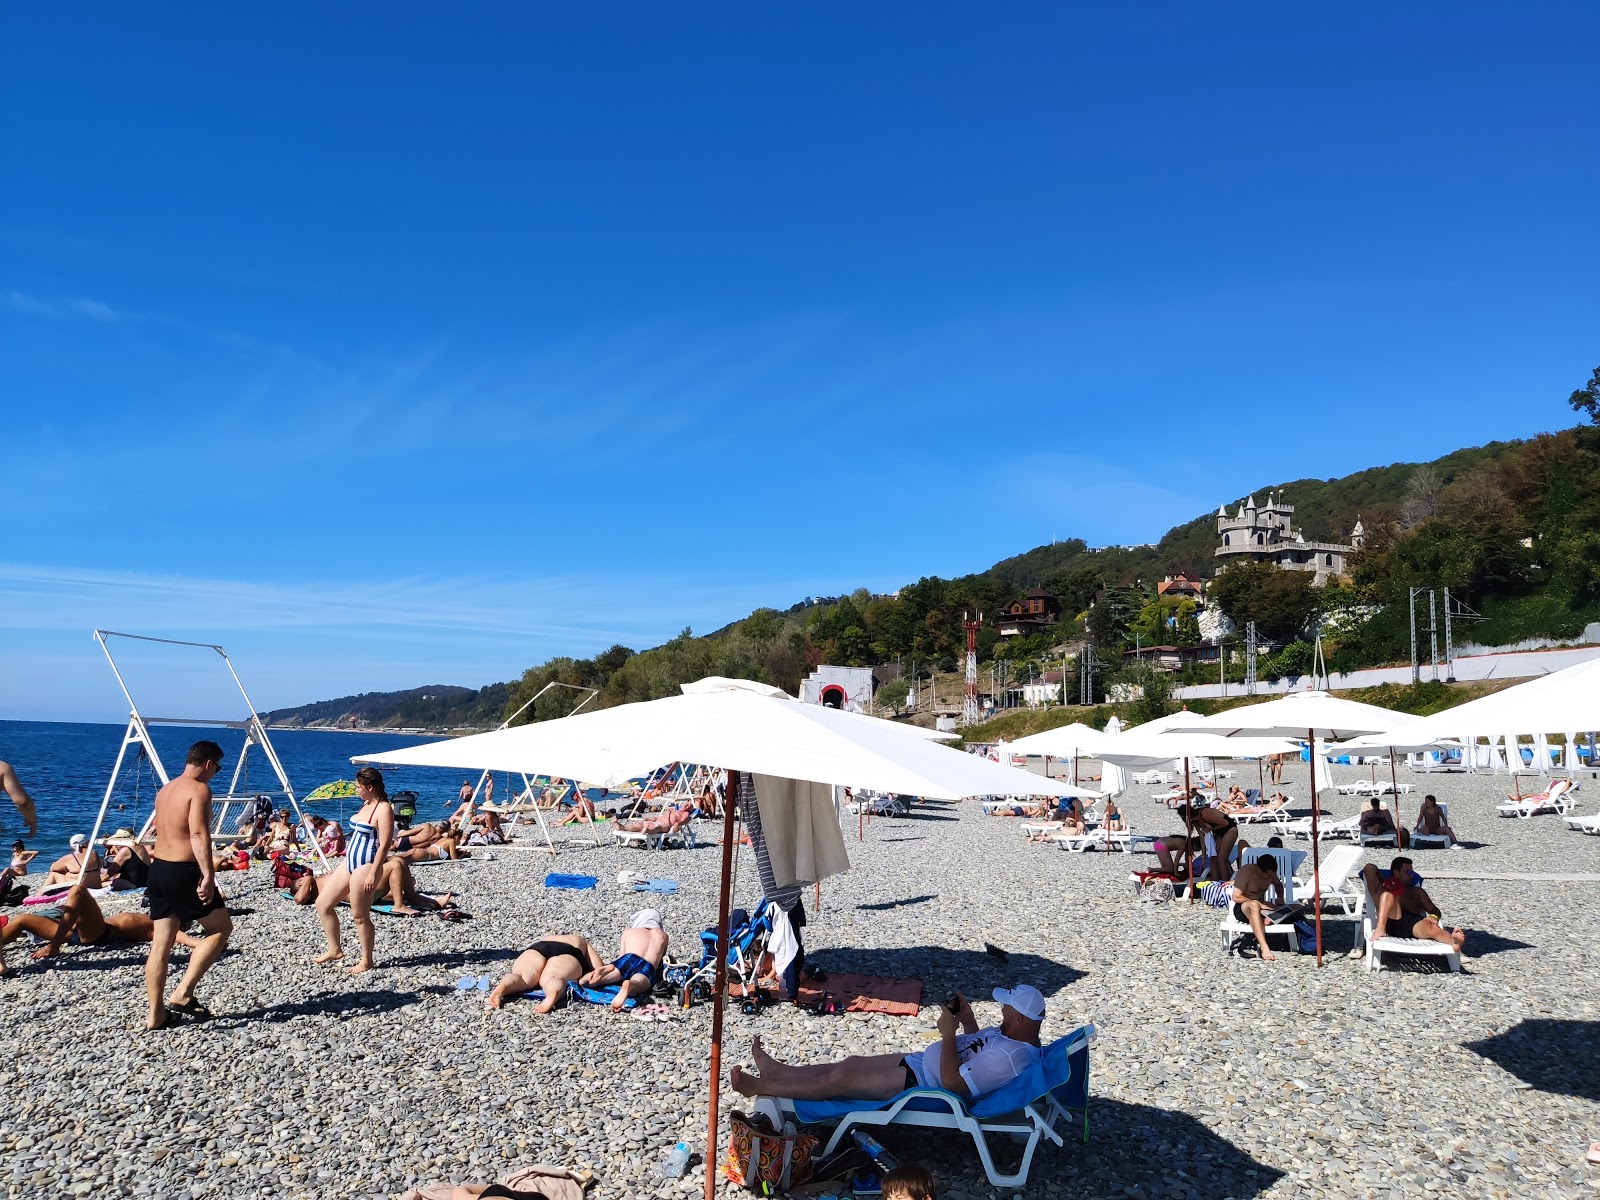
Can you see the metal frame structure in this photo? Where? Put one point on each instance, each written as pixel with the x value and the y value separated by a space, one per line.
pixel 528 788
pixel 138 734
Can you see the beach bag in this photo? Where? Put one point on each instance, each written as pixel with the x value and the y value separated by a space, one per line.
pixel 1217 895
pixel 760 1158
pixel 1306 935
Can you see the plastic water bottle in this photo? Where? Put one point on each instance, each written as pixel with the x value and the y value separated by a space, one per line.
pixel 676 1162
pixel 873 1149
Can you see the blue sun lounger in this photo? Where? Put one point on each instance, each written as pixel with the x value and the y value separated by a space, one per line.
pixel 1028 1108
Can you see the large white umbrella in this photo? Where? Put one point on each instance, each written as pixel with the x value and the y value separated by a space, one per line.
pixel 1563 700
pixel 1065 741
pixel 742 727
pixel 1315 714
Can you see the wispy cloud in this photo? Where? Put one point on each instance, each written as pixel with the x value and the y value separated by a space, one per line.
pixel 66 309
pixel 55 598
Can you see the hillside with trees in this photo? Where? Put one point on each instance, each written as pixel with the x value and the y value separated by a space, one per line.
pixel 1512 528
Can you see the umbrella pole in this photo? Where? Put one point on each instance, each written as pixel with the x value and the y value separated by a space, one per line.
pixel 1188 833
pixel 1394 787
pixel 1316 851
pixel 713 1153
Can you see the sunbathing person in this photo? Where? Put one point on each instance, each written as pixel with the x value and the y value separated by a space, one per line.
pixel 637 968
pixel 1404 909
pixel 81 923
pixel 971 1063
pixel 549 964
pixel 1235 800
pixel 1430 819
pixel 127 862
pixel 583 809
pixel 441 848
pixel 1113 819
pixel 1252 884
pixel 1377 821
pixel 65 869
pixel 668 820
pixel 1557 789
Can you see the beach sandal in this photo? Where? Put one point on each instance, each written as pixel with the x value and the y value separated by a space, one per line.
pixel 192 1008
pixel 169 1018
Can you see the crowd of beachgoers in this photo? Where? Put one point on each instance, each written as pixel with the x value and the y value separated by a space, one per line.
pixel 1212 1073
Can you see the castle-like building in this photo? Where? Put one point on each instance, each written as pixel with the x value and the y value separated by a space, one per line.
pixel 1267 534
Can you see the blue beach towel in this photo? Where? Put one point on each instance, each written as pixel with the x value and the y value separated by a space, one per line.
pixel 577 882
pixel 667 887
pixel 576 991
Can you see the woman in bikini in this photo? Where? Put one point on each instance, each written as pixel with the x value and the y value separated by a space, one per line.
pixel 550 964
pixel 356 878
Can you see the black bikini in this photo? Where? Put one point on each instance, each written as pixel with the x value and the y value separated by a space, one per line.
pixel 553 950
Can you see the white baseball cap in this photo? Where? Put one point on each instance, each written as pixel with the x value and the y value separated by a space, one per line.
pixel 77 840
pixel 1025 998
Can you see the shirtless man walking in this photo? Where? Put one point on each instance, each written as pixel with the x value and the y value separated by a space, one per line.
pixel 637 969
pixel 182 886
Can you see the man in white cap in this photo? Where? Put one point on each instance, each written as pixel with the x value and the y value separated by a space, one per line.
pixel 970 1063
pixel 637 968
pixel 67 868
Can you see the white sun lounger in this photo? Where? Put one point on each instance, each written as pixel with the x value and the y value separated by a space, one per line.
pixel 1094 839
pixel 682 836
pixel 1557 798
pixel 1378 947
pixel 1338 885
pixel 1161 778
pixel 1420 839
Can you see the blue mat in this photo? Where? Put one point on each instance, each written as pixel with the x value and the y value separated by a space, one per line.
pixel 578 882
pixel 588 995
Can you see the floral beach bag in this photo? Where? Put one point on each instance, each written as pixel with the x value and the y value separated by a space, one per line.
pixel 762 1158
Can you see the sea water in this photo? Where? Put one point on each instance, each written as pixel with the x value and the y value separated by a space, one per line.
pixel 66 767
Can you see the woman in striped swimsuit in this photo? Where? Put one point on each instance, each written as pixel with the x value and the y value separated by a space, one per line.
pixel 356 878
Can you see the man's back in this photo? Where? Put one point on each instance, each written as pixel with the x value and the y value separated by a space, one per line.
pixel 648 944
pixel 180 807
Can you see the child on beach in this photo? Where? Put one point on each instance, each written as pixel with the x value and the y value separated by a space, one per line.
pixel 909 1181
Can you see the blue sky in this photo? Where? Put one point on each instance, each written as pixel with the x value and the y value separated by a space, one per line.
pixel 392 345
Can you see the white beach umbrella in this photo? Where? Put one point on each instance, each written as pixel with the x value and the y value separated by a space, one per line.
pixel 739 726
pixel 1066 741
pixel 1314 714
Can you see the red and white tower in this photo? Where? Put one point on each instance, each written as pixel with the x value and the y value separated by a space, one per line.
pixel 969 705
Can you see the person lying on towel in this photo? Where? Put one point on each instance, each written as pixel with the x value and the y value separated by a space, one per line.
pixel 667 821
pixel 637 969
pixel 77 921
pixel 970 1063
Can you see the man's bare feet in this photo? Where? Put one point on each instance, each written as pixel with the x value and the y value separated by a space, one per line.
pixel 1458 936
pixel 620 1004
pixel 1268 955
pixel 361 968
pixel 764 1061
pixel 741 1082
pixel 329 956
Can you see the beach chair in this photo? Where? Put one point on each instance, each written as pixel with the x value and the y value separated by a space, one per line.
pixel 1589 824
pixel 1233 931
pixel 1376 948
pixel 1338 882
pixel 1392 838
pixel 1349 827
pixel 1028 1108
pixel 1161 778
pixel 1094 839
pixel 1420 839
pixel 1557 798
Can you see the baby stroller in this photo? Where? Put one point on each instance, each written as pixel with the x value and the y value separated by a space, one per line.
pixel 747 939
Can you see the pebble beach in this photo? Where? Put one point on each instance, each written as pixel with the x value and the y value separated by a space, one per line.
pixel 1211 1076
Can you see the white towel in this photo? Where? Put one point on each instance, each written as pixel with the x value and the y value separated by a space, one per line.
pixel 782 945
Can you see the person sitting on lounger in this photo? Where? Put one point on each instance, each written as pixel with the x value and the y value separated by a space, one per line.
pixel 1252 884
pixel 1377 821
pixel 1430 819
pixel 80 923
pixel 637 968
pixel 668 820
pixel 1404 909
pixel 66 868
pixel 970 1063
pixel 1235 800
pixel 549 965
pixel 1113 819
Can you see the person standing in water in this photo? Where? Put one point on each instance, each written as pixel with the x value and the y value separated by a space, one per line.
pixel 356 878
pixel 182 886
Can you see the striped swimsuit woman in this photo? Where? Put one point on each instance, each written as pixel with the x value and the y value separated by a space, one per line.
pixel 361 847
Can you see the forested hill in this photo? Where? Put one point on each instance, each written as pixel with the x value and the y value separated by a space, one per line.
pixel 441 706
pixel 1510 527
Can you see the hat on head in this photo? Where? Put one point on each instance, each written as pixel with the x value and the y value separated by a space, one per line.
pixel 1025 998
pixel 122 837
pixel 645 918
pixel 78 840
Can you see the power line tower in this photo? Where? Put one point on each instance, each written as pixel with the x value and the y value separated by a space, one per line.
pixel 1250 659
pixel 969 705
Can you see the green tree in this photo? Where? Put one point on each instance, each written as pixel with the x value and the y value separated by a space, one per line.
pixel 1586 399
pixel 894 694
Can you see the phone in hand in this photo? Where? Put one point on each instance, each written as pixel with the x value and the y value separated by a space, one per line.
pixel 953 1004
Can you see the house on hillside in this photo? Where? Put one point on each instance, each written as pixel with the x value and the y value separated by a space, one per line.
pixel 1035 611
pixel 1183 587
pixel 1175 658
pixel 1267 534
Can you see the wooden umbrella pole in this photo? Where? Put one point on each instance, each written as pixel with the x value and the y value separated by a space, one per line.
pixel 1316 846
pixel 718 1000
pixel 1188 833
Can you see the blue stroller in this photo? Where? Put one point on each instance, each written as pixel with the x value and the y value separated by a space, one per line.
pixel 747 939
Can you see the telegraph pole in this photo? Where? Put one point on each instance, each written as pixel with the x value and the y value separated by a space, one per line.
pixel 1250 659
pixel 969 705
pixel 1433 636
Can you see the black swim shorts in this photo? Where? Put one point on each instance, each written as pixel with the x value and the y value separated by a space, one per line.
pixel 171 892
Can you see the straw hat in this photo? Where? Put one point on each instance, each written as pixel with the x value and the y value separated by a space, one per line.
pixel 122 837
